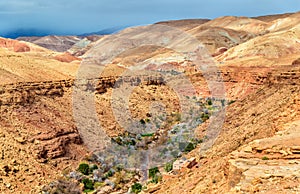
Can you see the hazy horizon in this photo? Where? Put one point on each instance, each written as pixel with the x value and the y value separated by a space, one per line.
pixel 38 17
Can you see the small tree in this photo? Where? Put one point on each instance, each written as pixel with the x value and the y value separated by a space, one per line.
pixel 153 172
pixel 88 184
pixel 209 102
pixel 84 168
pixel 136 188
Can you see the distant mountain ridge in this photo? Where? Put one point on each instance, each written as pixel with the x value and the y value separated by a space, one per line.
pixel 32 32
pixel 13 34
pixel 106 31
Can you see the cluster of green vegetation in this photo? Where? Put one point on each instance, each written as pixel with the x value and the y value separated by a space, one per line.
pixel 86 169
pixel 154 175
pixel 204 117
pixel 117 176
pixel 136 188
pixel 88 185
pixel 209 102
pixel 128 141
pixel 265 158
pixel 168 166
pixel 147 135
pixel 189 146
pixel 109 174
pixel 152 172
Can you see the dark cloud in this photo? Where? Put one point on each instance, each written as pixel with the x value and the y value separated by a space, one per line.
pixel 79 16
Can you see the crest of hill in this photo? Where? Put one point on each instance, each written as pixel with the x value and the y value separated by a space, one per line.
pixel 215 39
pixel 20 46
pixel 249 25
pixel 270 18
pixel 280 47
pixel 284 23
pixel 184 24
pixel 55 43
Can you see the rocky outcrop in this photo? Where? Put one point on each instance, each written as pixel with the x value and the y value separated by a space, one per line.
pixel 28 92
pixel 270 164
pixel 54 144
pixel 296 62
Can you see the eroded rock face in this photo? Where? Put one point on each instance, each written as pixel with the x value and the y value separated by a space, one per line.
pixel 37 131
pixel 296 62
pixel 270 164
pixel 27 92
pixel 14 45
pixel 39 140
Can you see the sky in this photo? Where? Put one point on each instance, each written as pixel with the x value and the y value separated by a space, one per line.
pixel 83 16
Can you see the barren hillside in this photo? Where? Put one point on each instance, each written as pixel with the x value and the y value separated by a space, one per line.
pixel 246 69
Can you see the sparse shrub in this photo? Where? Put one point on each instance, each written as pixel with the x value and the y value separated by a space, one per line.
pixel 110 173
pixel 231 102
pixel 209 102
pixel 142 121
pixel 147 135
pixel 118 140
pixel 190 146
pixel 152 172
pixel 88 184
pixel 204 117
pixel 265 158
pixel 168 166
pixel 119 167
pixel 136 188
pixel 92 168
pixel 157 178
pixel 182 146
pixel 84 168
pixel 133 142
